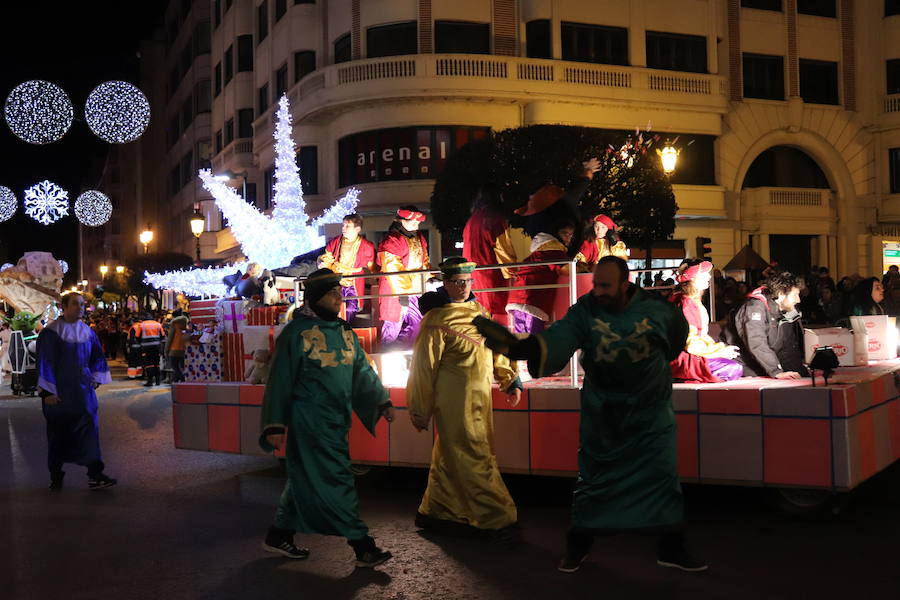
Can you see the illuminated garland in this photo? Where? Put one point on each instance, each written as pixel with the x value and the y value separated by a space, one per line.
pixel 194 282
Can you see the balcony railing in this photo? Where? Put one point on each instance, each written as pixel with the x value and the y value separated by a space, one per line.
pixel 892 103
pixel 797 197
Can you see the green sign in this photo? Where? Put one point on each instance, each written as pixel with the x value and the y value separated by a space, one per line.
pixel 891 253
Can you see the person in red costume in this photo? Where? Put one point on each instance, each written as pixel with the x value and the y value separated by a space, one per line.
pixel 404 248
pixel 703 359
pixel 349 254
pixel 600 240
pixel 480 238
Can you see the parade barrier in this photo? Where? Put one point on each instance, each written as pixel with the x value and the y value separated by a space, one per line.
pixel 754 431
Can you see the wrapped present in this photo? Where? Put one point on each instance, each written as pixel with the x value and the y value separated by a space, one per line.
pixel 368 339
pixel 232 315
pixel 202 311
pixel 259 337
pixel 233 361
pixel 265 315
pixel 203 362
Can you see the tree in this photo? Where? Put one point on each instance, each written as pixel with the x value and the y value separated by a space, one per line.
pixel 154 263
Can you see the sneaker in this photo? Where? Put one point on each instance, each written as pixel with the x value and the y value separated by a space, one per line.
pixel 101 481
pixel 287 549
pixel 56 480
pixel 571 563
pixel 681 559
pixel 372 558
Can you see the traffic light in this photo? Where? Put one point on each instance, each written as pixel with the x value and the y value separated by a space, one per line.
pixel 704 250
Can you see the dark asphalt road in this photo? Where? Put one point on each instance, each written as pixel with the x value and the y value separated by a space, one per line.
pixel 184 524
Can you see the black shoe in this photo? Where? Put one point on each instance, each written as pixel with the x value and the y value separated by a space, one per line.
pixel 507 536
pixel 681 559
pixel 101 481
pixel 287 549
pixel 571 563
pixel 56 480
pixel 372 558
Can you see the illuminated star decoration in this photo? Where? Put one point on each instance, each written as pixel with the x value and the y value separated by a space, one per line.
pixel 117 111
pixel 272 241
pixel 38 112
pixel 64 266
pixel 8 203
pixel 46 202
pixel 93 208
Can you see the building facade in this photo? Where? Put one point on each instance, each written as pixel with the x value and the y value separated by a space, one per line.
pixel 795 104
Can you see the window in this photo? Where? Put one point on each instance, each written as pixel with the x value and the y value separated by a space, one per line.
pixel 245 123
pixel 762 4
pixel 308 160
pixel 204 153
pixel 595 44
pixel 891 7
pixel 893 76
pixel 461 37
pixel 392 40
pixel 201 39
pixel 537 39
pixel 187 113
pixel 818 8
pixel 268 187
pixel 281 79
pixel 229 131
pixel 245 53
pixel 763 76
pixel 217 12
pixel 175 180
pixel 262 95
pixel 114 227
pixel 228 4
pixel 187 168
pixel 219 144
pixel 304 64
pixel 172 132
pixel 229 64
pixel 343 51
pixel 894 162
pixel 186 59
pixel 262 21
pixel 202 97
pixel 676 52
pixel 819 81
pixel 280 8
pixel 217 79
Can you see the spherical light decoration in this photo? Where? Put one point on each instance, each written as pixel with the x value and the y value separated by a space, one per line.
pixel 38 112
pixel 46 202
pixel 93 208
pixel 6 266
pixel 117 112
pixel 64 266
pixel 8 203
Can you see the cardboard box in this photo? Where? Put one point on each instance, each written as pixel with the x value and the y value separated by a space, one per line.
pixel 882 332
pixel 202 311
pixel 840 340
pixel 265 315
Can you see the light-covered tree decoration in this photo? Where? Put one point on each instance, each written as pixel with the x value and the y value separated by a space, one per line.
pixel 117 111
pixel 272 241
pixel 46 202
pixel 64 266
pixel 8 203
pixel 93 208
pixel 194 282
pixel 38 112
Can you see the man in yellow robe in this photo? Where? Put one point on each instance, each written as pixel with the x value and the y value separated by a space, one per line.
pixel 450 380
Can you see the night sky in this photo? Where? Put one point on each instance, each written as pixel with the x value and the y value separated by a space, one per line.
pixel 76 45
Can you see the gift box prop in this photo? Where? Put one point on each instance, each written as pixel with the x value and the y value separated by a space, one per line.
pixel 839 339
pixel 881 331
pixel 231 315
pixel 202 311
pixel 203 362
pixel 266 315
pixel 368 339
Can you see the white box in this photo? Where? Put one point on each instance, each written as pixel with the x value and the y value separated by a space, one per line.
pixel 882 332
pixel 840 340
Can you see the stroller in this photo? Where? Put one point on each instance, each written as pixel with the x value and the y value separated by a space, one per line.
pixel 23 359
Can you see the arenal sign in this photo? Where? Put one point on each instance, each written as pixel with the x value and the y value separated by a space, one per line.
pixel 401 152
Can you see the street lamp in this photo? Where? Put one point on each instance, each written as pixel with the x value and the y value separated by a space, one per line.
pixel 104 270
pixel 197 225
pixel 120 269
pixel 668 156
pixel 146 237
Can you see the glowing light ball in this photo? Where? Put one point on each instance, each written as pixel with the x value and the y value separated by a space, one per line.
pixel 117 112
pixel 93 208
pixel 46 202
pixel 8 203
pixel 64 266
pixel 6 266
pixel 38 112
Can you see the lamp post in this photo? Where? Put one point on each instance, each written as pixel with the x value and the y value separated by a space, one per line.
pixel 146 237
pixel 197 225
pixel 103 270
pixel 668 156
pixel 120 269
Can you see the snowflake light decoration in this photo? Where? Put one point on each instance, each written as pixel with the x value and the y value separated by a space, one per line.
pixel 64 266
pixel 46 202
pixel 272 241
pixel 93 208
pixel 38 112
pixel 117 111
pixel 8 203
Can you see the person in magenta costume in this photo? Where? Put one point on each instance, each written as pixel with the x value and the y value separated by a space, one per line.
pixel 404 248
pixel 70 366
pixel 350 254
pixel 703 359
pixel 480 238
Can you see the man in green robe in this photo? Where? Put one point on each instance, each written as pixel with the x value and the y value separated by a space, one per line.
pixel 628 479
pixel 319 376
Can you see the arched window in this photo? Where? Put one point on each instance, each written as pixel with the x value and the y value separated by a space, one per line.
pixel 784 166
